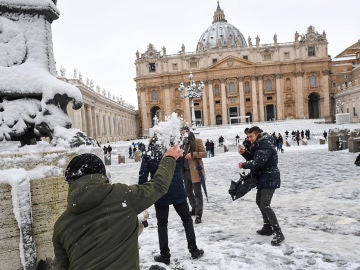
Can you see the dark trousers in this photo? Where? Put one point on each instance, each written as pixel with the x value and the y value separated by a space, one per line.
pixel 193 191
pixel 162 214
pixel 263 200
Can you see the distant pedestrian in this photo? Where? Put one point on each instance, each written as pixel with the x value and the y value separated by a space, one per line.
pixel 325 134
pixel 237 138
pixel 212 148
pixel 208 148
pixel 130 151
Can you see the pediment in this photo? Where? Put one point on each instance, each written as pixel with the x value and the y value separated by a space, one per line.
pixel 231 62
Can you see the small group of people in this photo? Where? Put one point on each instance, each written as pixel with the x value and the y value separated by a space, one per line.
pixel 99 228
pixel 209 148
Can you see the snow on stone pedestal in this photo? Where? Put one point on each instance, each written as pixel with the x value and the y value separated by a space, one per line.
pixel 27 73
pixel 33 195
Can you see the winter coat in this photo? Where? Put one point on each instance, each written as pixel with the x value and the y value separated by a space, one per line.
pixel 99 229
pixel 262 160
pixel 176 193
pixel 196 163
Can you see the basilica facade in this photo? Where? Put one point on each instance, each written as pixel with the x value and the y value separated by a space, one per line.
pixel 244 79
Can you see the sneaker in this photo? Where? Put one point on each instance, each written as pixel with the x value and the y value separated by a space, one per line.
pixel 197 220
pixel 278 238
pixel 192 212
pixel 162 258
pixel 265 230
pixel 197 253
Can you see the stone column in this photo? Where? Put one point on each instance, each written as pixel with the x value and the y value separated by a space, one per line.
pixel 187 111
pixel 223 104
pixel 279 99
pixel 205 113
pixel 261 99
pixel 255 116
pixel 299 96
pixel 167 99
pixel 144 111
pixel 241 97
pixel 325 85
pixel 83 119
pixel 89 125
pixel 94 124
pixel 211 104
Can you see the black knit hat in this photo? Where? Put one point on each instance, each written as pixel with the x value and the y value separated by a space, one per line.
pixel 84 164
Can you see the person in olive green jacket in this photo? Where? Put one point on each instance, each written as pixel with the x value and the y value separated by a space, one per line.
pixel 99 228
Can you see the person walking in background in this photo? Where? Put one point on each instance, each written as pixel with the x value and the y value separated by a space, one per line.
pixel 99 228
pixel 193 166
pixel 176 196
pixel 325 134
pixel 212 148
pixel 262 160
pixel 208 148
pixel 130 152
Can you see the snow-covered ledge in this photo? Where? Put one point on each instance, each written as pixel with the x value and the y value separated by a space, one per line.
pixel 33 195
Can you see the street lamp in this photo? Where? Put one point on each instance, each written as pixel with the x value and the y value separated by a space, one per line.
pixel 193 90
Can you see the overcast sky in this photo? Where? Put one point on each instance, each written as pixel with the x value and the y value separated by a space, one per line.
pixel 100 38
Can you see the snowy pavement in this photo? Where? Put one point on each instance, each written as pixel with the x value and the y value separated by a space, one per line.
pixel 318 207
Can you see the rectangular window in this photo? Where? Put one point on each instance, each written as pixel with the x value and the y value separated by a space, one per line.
pixel 245 57
pixel 196 103
pixel 193 64
pixel 354 112
pixel 286 55
pixel 268 98
pixel 311 51
pixel 152 67
pixel 217 102
pixel 232 100
pixel 247 99
pixel 333 84
pixel 175 66
pixel 267 57
pixel 214 60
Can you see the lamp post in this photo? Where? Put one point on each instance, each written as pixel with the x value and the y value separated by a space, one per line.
pixel 193 90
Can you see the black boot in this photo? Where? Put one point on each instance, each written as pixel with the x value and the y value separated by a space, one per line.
pixel 196 253
pixel 265 230
pixel 163 258
pixel 278 237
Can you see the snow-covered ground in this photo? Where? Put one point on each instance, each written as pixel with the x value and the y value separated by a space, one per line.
pixel 318 207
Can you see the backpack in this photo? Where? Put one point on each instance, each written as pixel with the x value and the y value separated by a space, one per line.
pixel 357 161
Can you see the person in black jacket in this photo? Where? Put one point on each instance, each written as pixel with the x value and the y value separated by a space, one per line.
pixel 262 160
pixel 176 196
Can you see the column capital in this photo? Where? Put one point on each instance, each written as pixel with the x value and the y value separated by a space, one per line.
pixel 254 78
pixel 278 76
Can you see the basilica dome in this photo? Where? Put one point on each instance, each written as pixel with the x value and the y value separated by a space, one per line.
pixel 220 34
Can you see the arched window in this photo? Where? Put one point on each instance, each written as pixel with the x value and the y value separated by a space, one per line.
pixel 217 91
pixel 154 97
pixel 231 88
pixel 247 87
pixel 312 81
pixel 268 85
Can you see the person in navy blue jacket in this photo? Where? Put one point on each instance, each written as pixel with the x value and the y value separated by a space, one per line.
pixel 176 196
pixel 262 159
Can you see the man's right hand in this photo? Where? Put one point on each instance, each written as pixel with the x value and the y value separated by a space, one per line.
pixel 174 152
